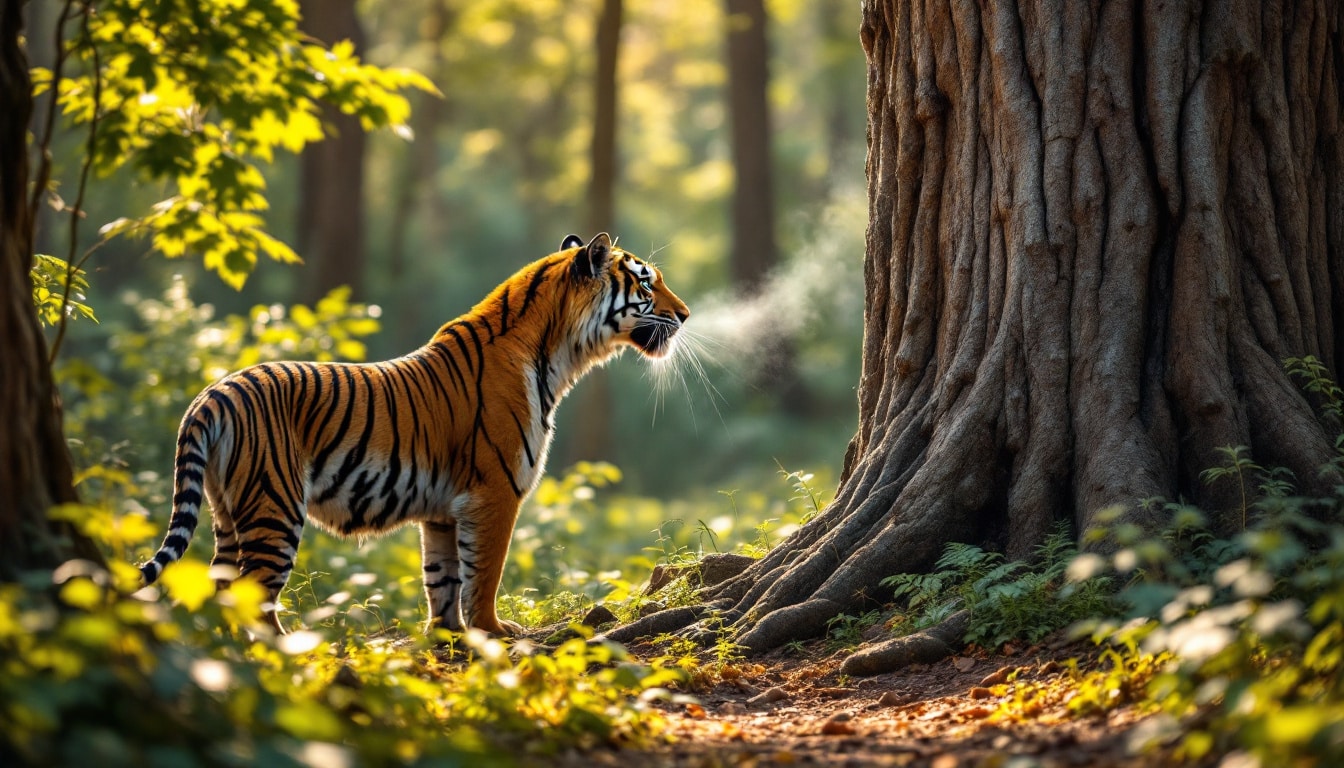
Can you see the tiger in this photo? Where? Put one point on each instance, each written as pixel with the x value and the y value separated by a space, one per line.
pixel 451 437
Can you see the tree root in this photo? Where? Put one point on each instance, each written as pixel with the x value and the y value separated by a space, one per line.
pixel 925 647
pixel 662 622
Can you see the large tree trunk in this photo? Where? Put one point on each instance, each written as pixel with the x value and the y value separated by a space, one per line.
pixel 35 469
pixel 591 431
pixel 330 233
pixel 1096 230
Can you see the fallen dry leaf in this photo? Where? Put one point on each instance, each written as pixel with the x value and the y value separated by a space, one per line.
pixel 998 677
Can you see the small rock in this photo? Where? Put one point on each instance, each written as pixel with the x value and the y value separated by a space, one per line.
pixel 722 566
pixel 1050 667
pixel 732 708
pixel 650 606
pixel 833 693
pixel 978 712
pixel 769 696
pixel 1009 649
pixel 662 576
pixel 893 699
pixel 997 678
pixel 745 687
pixel 838 725
pixel 599 615
pixel 963 663
pixel 980 692
pixel 347 677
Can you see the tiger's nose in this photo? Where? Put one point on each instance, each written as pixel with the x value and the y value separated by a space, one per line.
pixel 682 314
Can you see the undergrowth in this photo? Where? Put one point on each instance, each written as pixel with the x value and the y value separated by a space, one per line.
pixel 91 673
pixel 1008 600
pixel 1237 642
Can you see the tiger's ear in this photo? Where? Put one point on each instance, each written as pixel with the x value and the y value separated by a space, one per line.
pixel 594 257
pixel 570 241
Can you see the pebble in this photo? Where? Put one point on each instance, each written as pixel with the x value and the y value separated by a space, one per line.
pixel 732 708
pixel 893 699
pixel 838 725
pixel 770 695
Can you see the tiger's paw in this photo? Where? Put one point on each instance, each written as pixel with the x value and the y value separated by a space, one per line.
pixel 499 628
pixel 507 629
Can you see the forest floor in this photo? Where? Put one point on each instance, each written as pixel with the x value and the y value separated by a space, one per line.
pixel 791 709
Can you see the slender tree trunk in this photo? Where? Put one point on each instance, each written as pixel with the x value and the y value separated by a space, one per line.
pixel 1096 231
pixel 35 469
pixel 755 252
pixel 330 235
pixel 591 434
pixel 417 176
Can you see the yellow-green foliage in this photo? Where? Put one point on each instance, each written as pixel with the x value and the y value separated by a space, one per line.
pixel 200 93
pixel 90 674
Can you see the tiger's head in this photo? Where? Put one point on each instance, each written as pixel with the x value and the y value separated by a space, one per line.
pixel 628 295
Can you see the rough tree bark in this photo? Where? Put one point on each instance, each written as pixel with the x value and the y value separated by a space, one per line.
pixel 35 468
pixel 1096 230
pixel 330 234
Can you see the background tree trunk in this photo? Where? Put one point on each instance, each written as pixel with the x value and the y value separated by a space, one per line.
pixel 1096 230
pixel 755 252
pixel 591 431
pixel 35 470
pixel 330 235
pixel 417 176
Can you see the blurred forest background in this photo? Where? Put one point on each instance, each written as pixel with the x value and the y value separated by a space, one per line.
pixel 725 141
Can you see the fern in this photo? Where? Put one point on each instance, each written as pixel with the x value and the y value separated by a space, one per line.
pixel 1008 599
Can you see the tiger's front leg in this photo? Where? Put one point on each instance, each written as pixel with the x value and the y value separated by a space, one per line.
pixel 483 545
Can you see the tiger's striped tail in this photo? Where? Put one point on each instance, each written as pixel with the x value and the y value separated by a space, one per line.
pixel 198 434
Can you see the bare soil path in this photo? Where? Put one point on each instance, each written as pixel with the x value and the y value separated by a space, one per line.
pixel 800 710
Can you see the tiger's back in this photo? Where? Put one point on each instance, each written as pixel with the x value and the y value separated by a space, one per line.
pixel 452 436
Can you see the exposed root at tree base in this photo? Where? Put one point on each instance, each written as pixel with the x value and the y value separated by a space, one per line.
pixel 925 647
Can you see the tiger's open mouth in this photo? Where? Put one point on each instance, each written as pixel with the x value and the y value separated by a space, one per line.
pixel 654 338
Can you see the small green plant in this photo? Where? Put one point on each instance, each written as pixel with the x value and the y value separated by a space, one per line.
pixel 704 667
pixel 1008 600
pixel 801 481
pixel 846 631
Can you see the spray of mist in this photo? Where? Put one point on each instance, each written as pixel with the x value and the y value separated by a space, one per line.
pixel 736 330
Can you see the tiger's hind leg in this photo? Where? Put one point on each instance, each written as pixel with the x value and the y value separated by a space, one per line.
pixel 226 535
pixel 268 537
pixel 443 581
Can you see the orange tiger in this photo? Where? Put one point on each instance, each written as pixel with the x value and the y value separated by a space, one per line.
pixel 451 437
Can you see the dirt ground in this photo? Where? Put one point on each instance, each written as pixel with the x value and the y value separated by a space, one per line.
pixel 799 710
